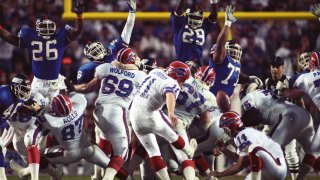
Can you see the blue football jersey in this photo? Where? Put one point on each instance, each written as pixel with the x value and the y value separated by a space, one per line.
pixel 46 53
pixel 9 104
pixel 227 75
pixel 86 71
pixel 189 42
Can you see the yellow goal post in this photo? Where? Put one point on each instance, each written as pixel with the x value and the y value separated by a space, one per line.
pixel 164 16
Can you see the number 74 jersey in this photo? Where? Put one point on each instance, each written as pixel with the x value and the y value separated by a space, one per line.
pixel 118 86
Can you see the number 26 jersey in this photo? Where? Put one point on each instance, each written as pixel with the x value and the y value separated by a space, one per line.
pixel 118 86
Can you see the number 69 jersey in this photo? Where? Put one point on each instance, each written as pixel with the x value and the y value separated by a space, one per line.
pixel 118 86
pixel 193 100
pixel 46 53
pixel 252 137
pixel 67 130
pixel 189 42
pixel 310 84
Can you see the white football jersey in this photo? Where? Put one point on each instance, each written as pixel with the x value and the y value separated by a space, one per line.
pixel 23 122
pixel 193 100
pixel 68 130
pixel 268 104
pixel 250 136
pixel 310 84
pixel 118 86
pixel 151 93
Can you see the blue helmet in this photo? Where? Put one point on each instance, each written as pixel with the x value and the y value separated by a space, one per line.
pixel 21 87
pixel 195 16
pixel 95 51
pixel 45 27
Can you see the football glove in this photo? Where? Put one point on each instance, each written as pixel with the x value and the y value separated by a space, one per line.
pixel 255 79
pixel 78 6
pixel 69 85
pixel 132 4
pixel 315 10
pixel 229 18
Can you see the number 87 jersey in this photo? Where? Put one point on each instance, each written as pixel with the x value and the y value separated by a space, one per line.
pixel 118 85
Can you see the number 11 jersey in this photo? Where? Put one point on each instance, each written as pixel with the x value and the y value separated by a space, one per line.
pixel 118 86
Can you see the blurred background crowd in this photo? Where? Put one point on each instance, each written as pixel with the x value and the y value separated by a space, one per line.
pixel 261 41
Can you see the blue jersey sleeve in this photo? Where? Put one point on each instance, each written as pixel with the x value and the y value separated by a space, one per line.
pixel 86 72
pixel 24 36
pixel 207 26
pixel 62 35
pixel 176 21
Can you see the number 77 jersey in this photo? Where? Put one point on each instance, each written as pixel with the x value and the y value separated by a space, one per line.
pixel 118 85
pixel 227 75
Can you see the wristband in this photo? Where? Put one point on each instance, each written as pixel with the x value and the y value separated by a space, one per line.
pixel 228 23
pixel 214 1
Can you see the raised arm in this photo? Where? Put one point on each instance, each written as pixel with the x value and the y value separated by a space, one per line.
pixel 78 9
pixel 91 86
pixel 8 37
pixel 179 7
pixel 127 30
pixel 315 10
pixel 219 52
pixel 214 10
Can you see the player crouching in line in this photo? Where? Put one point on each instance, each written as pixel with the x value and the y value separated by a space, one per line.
pixel 65 123
pixel 254 148
pixel 157 89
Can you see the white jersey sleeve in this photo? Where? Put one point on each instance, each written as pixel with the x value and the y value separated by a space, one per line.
pixel 151 92
pixel 252 137
pixel 78 101
pixel 310 84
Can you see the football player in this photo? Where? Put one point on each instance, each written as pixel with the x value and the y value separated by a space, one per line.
pixel 225 60
pixel 98 54
pixel 12 98
pixel 65 123
pixel 288 121
pixel 254 148
pixel 118 82
pixel 46 45
pixel 190 31
pixel 157 89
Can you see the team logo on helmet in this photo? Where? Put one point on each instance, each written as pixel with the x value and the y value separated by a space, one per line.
pixel 61 105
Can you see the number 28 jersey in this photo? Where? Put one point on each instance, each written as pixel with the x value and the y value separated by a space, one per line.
pixel 118 86
pixel 310 84
pixel 46 53
pixel 250 136
pixel 189 42
pixel 67 130
pixel 227 75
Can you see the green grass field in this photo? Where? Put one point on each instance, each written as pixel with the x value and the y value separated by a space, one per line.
pixel 137 178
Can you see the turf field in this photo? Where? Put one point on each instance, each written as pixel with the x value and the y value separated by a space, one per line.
pixel 176 178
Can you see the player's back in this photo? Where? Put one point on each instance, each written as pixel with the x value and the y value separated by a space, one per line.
pixel 68 130
pixel 193 100
pixel 151 92
pixel 252 137
pixel 268 104
pixel 118 86
pixel 310 84
pixel 227 75
pixel 46 54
